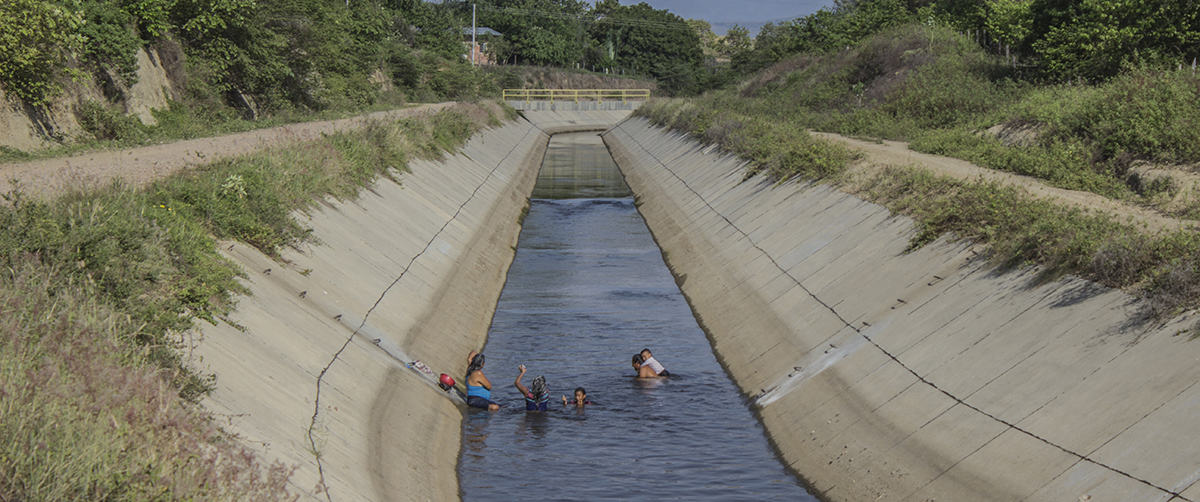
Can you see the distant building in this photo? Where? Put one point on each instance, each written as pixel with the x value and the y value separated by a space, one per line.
pixel 479 53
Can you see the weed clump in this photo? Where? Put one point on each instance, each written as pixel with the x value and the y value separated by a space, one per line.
pixel 84 416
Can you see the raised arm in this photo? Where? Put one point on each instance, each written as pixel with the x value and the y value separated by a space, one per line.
pixel 520 386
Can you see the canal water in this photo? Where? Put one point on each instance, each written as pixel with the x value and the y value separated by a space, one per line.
pixel 586 291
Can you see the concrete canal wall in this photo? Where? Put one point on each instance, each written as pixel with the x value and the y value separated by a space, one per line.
pixel 886 375
pixel 312 367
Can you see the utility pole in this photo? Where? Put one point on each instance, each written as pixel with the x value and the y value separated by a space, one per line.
pixel 474 47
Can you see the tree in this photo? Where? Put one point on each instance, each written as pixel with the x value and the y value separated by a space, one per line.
pixel 36 39
pixel 652 41
pixel 710 43
pixel 1094 39
pixel 736 40
pixel 112 44
pixel 544 32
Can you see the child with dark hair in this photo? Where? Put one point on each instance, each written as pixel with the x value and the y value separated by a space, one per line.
pixel 580 398
pixel 642 370
pixel 537 396
pixel 649 360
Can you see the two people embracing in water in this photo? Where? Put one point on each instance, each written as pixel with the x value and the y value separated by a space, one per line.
pixel 647 366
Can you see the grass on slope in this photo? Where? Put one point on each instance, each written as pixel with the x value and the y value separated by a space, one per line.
pixel 96 289
pixel 943 93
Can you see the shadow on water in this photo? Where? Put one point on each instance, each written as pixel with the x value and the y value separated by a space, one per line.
pixel 586 290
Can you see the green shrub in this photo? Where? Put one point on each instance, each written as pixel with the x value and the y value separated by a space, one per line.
pixel 105 122
pixel 112 44
pixel 1065 164
pixel 1150 114
pixel 774 146
pixel 36 40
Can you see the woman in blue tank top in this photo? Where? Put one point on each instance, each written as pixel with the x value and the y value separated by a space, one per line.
pixel 537 396
pixel 479 388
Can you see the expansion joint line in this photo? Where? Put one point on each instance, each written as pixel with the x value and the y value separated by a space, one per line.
pixel 1174 494
pixel 312 441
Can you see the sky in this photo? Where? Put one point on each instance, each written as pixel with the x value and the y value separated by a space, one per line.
pixel 723 14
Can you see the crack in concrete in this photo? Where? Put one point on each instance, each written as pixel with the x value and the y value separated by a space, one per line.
pixel 312 441
pixel 832 310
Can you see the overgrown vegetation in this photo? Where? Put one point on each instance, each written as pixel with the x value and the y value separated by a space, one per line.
pixel 913 72
pixel 99 286
pixel 1021 230
pixel 777 148
pixel 84 416
pixel 285 54
pixel 233 65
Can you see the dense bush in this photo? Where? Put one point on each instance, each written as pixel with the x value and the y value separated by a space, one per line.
pixel 112 44
pixel 36 39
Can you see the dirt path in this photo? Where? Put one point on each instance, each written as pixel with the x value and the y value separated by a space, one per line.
pixel 138 166
pixel 897 153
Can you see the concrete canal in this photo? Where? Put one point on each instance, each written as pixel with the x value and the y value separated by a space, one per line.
pixel 588 289
pixel 878 372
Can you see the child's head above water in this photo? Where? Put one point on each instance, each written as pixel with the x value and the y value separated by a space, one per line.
pixel 580 394
pixel 538 388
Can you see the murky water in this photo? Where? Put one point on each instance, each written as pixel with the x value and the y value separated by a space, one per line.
pixel 587 290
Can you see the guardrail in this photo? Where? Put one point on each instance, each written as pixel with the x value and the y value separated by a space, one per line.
pixel 576 95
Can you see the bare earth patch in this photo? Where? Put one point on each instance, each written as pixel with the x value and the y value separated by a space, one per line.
pixel 897 153
pixel 139 166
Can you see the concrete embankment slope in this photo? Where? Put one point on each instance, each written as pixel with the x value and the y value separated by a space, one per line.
pixel 312 367
pixel 886 375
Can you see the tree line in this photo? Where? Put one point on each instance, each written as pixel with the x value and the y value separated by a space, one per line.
pixel 310 54
pixel 316 54
pixel 1052 40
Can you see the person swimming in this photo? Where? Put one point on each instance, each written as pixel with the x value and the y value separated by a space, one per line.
pixel 479 388
pixel 580 398
pixel 649 360
pixel 642 370
pixel 537 395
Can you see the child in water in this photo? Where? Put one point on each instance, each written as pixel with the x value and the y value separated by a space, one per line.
pixel 537 396
pixel 649 360
pixel 642 370
pixel 580 398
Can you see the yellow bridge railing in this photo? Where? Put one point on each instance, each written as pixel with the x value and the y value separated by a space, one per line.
pixel 576 95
